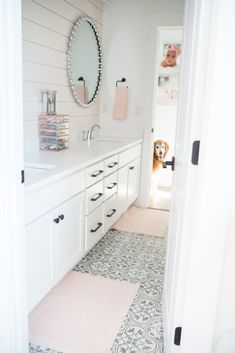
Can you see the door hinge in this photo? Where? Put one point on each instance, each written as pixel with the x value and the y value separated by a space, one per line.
pixel 22 177
pixel 195 152
pixel 177 337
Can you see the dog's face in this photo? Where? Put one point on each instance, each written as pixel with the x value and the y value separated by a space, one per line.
pixel 160 149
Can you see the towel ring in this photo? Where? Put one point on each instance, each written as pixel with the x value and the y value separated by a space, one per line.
pixel 122 80
pixel 82 79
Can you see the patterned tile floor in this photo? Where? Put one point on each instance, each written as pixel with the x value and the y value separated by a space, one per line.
pixel 138 259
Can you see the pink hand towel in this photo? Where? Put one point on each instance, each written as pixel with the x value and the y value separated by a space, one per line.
pixel 81 93
pixel 120 103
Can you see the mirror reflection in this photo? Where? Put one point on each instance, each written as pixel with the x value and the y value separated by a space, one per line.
pixel 84 61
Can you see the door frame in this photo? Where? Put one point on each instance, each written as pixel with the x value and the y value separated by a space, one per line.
pixel 158 30
pixel 13 298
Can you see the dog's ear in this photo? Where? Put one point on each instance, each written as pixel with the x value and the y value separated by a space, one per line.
pixel 154 148
pixel 166 149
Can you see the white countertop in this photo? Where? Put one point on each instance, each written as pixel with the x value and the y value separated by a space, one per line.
pixel 75 158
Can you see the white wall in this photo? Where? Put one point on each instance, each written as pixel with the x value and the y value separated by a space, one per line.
pixel 46 29
pixel 129 35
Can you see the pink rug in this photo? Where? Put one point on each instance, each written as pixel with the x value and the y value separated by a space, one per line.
pixel 82 314
pixel 143 220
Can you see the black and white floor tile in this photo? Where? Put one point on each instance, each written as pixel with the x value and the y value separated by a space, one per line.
pixel 138 259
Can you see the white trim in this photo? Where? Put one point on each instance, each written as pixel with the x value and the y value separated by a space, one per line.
pixel 13 314
pixel 154 105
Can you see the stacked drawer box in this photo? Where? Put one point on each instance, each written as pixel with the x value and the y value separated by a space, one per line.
pixel 53 132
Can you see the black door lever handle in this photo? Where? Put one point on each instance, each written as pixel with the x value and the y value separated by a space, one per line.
pixel 171 163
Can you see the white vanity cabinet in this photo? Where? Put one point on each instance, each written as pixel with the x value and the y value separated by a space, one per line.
pixel 54 246
pixel 68 235
pixel 110 212
pixel 94 227
pixel 40 266
pixel 128 178
pixel 67 217
pixel 133 181
pixel 54 233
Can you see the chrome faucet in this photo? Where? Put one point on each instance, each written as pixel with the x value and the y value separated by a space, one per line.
pixel 90 133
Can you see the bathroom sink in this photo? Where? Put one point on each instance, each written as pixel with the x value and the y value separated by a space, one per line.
pixel 108 140
pixel 39 166
pixel 32 169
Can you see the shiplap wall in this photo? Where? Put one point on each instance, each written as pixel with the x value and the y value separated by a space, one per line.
pixel 46 27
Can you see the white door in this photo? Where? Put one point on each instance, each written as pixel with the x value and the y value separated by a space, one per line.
pixel 68 235
pixel 196 31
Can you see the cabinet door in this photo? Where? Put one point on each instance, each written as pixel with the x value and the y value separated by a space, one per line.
pixel 68 236
pixel 39 258
pixel 122 190
pixel 133 181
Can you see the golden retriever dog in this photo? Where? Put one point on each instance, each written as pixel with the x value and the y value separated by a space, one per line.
pixel 159 153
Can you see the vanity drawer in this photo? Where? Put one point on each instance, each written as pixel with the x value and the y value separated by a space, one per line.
pixel 110 164
pixel 94 196
pixel 94 227
pixel 110 212
pixel 110 185
pixel 129 155
pixel 94 173
pixel 40 202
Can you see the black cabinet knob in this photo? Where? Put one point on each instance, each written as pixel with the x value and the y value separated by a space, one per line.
pixel 57 220
pixel 61 217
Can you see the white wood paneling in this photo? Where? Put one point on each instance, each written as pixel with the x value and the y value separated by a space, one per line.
pixel 97 3
pixel 87 8
pixel 36 53
pixel 46 26
pixel 45 17
pixel 61 8
pixel 43 73
pixel 33 109
pixel 31 139
pixel 31 90
pixel 40 35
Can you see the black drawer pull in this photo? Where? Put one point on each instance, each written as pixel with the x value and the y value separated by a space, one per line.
pixel 112 213
pixel 61 217
pixel 111 165
pixel 96 174
pixel 131 168
pixel 57 220
pixel 95 198
pixel 111 186
pixel 95 230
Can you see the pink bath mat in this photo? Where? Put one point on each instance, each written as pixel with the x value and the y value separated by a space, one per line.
pixel 82 314
pixel 143 220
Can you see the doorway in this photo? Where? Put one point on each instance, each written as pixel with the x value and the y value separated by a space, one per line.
pixel 168 63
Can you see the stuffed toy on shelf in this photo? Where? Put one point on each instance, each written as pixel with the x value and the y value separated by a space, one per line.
pixel 172 52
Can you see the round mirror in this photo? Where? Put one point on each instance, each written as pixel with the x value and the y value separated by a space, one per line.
pixel 84 61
